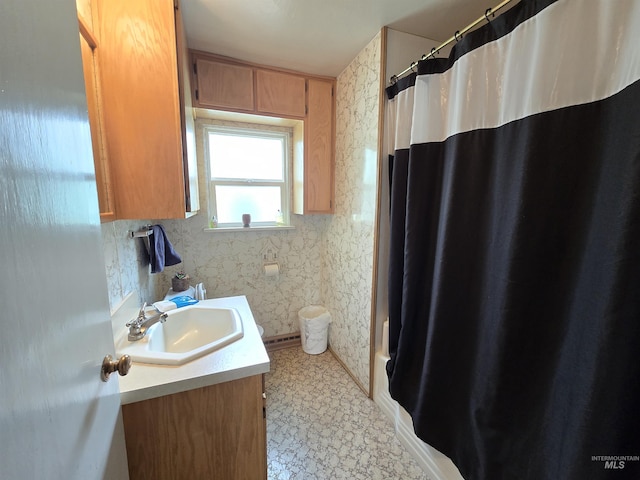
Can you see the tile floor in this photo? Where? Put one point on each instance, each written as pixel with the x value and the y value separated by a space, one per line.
pixel 321 426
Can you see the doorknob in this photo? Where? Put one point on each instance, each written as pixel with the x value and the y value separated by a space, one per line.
pixel 109 365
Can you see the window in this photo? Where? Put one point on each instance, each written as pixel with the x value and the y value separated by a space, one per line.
pixel 248 173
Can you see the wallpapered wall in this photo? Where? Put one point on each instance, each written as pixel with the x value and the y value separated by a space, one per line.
pixel 349 247
pixel 227 263
pixel 326 259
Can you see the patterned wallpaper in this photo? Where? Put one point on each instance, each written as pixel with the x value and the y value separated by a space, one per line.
pixel 348 258
pixel 326 259
pixel 126 263
pixel 228 263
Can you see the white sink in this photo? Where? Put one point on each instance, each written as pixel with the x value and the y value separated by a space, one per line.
pixel 188 333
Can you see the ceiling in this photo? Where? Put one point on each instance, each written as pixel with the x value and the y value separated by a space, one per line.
pixel 316 36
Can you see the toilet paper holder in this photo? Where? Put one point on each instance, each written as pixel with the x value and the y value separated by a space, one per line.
pixel 271 269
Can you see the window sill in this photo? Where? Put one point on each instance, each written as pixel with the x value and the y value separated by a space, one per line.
pixel 249 229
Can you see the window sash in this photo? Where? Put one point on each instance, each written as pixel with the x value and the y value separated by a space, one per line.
pixel 283 185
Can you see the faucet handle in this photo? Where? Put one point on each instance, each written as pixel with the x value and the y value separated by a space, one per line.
pixel 136 322
pixel 141 313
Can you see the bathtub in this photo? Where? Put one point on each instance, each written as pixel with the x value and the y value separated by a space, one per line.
pixel 434 463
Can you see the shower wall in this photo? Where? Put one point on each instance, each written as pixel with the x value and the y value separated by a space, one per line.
pixel 349 238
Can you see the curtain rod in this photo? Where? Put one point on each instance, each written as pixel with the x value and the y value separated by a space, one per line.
pixel 456 36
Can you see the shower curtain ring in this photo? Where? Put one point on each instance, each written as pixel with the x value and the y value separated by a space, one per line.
pixel 456 35
pixel 486 14
pixel 433 52
pixel 394 79
pixel 413 65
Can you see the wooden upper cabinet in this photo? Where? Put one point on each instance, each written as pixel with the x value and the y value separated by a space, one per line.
pixel 317 180
pixel 280 93
pixel 187 117
pixel 142 108
pixel 90 57
pixel 85 12
pixel 223 85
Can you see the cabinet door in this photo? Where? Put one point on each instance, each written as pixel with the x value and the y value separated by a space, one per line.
pixel 224 85
pixel 319 135
pixel 88 46
pixel 192 197
pixel 142 108
pixel 280 93
pixel 215 432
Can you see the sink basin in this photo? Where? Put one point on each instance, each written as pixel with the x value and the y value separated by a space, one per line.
pixel 188 333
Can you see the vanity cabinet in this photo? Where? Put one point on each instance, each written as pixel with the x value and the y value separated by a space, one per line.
pixel 217 431
pixel 148 119
pixel 222 83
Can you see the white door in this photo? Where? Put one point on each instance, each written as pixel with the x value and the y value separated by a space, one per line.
pixel 58 420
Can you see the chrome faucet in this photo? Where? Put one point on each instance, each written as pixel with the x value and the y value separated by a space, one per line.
pixel 138 327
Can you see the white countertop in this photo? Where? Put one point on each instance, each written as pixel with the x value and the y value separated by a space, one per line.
pixel 242 358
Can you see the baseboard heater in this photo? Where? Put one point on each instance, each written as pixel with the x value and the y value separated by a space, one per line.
pixel 282 341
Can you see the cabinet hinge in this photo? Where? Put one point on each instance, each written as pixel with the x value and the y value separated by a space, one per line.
pixel 195 68
pixel 306 109
pixel 332 91
pixel 197 96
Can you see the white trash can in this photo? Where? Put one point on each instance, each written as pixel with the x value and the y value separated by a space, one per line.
pixel 314 328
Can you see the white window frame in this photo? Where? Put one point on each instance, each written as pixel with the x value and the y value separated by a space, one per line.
pixel 255 131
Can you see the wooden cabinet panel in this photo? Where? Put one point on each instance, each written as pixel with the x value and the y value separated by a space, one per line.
pixel 89 49
pixel 224 85
pixel 139 68
pixel 227 84
pixel 210 432
pixel 84 9
pixel 319 149
pixel 189 154
pixel 280 93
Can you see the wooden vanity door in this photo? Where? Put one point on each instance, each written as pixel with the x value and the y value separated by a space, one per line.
pixel 210 432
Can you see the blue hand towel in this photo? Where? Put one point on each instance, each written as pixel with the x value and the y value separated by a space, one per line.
pixel 161 252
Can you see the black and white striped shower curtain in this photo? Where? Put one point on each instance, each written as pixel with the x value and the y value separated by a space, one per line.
pixel 514 283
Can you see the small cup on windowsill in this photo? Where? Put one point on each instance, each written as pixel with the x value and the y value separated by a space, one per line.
pixel 246 220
